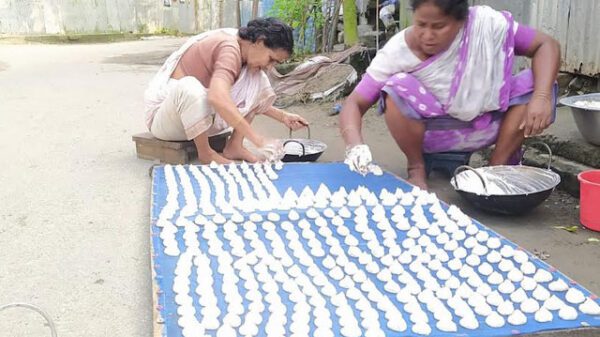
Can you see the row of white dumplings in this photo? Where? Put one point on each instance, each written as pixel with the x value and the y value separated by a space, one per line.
pixel 247 190
pixel 463 292
pixel 529 306
pixel 251 189
pixel 264 200
pixel 276 263
pixel 224 185
pixel 417 239
pixel 223 205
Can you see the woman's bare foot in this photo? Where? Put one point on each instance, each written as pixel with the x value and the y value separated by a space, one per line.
pixel 239 153
pixel 417 176
pixel 209 157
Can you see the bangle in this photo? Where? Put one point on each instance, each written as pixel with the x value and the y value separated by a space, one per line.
pixel 544 95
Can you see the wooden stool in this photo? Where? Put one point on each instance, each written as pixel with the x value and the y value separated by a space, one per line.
pixel 173 152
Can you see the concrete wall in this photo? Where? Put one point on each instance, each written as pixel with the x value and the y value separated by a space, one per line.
pixel 33 17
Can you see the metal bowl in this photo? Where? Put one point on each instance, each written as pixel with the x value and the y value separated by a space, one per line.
pixel 586 112
pixel 505 180
pixel 505 189
pixel 302 149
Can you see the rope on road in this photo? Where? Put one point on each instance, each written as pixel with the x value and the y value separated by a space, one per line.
pixel 36 309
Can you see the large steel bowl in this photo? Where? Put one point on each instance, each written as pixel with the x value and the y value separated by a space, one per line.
pixel 506 189
pixel 586 112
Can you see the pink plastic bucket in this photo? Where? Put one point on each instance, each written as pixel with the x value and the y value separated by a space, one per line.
pixel 589 202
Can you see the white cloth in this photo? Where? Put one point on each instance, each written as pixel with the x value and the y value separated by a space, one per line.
pixel 251 92
pixel 395 57
pixel 386 14
pixel 485 58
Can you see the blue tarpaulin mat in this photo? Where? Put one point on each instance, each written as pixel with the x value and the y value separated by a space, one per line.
pixel 181 193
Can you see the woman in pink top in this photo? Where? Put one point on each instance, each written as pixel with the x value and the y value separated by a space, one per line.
pixel 216 82
pixel 445 84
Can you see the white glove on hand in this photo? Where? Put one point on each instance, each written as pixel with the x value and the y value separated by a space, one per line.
pixel 272 151
pixel 359 158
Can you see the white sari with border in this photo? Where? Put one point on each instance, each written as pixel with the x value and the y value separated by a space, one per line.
pixel 251 92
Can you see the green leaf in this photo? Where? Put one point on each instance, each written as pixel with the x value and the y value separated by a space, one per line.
pixel 570 229
pixel 593 240
pixel 304 16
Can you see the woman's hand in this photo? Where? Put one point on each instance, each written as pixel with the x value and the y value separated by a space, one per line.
pixel 539 114
pixel 359 158
pixel 270 150
pixel 545 53
pixel 293 121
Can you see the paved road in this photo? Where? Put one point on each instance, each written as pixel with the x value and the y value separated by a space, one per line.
pixel 74 199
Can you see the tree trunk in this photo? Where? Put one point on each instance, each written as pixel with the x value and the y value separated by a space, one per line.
pixel 238 14
pixel 326 22
pixel 350 24
pixel 334 24
pixel 220 17
pixel 254 9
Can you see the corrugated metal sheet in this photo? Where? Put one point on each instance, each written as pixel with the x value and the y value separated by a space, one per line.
pixel 574 23
pixel 582 52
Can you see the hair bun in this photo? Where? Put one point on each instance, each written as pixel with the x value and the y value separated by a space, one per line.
pixel 273 32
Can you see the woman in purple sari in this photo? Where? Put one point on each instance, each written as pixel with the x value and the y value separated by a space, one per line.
pixel 445 84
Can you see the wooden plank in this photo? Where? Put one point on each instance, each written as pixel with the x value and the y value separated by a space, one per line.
pixel 165 155
pixel 180 152
pixel 148 138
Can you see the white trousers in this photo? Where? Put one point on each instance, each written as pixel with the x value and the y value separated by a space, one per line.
pixel 185 112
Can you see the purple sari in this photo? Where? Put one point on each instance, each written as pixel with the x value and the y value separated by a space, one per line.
pixel 445 133
pixel 462 93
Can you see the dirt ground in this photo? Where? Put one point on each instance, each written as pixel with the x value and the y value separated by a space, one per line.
pixel 75 200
